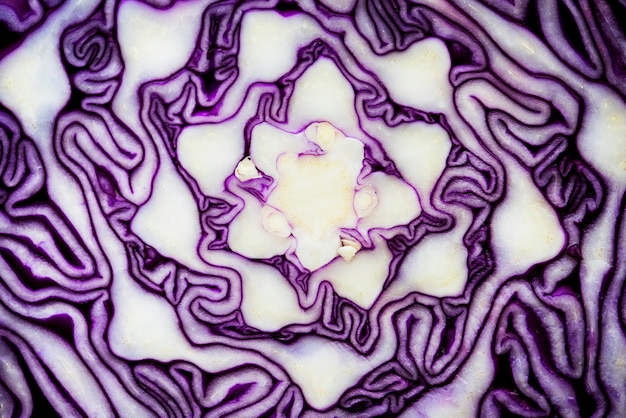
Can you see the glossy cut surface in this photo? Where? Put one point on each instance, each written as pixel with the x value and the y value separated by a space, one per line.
pixel 312 208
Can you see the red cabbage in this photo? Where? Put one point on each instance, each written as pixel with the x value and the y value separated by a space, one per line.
pixel 312 208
